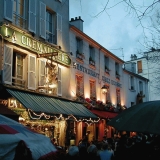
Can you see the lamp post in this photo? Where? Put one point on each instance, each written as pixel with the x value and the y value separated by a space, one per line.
pixel 104 89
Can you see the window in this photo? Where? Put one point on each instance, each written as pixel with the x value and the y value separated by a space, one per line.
pixel 79 46
pixel 18 67
pixel 118 96
pixel 141 87
pixel 50 36
pixel 117 71
pixel 92 89
pixel 79 51
pixel 80 87
pixel 50 25
pixel 132 83
pixel 107 94
pixel 139 66
pixel 106 64
pixel 91 55
pixel 19 13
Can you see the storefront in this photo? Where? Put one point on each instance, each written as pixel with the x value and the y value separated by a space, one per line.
pixel 54 117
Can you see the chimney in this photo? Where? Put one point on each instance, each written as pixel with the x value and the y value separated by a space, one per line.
pixel 77 22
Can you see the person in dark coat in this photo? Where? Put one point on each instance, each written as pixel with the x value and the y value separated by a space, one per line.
pixel 22 152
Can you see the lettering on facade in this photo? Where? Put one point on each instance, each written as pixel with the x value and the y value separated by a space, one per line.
pixel 96 75
pixel 4 102
pixel 25 40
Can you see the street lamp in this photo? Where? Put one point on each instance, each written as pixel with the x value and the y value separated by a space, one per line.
pixel 104 89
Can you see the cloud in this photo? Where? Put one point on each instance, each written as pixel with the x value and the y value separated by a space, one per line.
pixel 114 29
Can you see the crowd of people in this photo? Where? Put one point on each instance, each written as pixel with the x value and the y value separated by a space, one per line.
pixel 140 146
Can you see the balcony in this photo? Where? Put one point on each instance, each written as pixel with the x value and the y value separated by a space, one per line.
pixel 91 62
pixel 80 56
pixel 117 75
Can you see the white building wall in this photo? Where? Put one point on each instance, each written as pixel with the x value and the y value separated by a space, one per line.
pixel 150 70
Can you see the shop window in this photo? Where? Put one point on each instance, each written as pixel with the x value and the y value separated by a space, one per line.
pixel 80 87
pixel 139 66
pixel 92 90
pixel 91 55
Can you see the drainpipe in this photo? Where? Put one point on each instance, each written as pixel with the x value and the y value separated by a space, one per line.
pixel 2 54
pixel 99 80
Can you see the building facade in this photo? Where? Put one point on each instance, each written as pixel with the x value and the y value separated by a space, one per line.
pixel 59 81
pixel 94 69
pixel 148 67
pixel 35 67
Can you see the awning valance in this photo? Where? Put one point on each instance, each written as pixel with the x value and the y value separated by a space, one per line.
pixel 51 105
pixel 104 114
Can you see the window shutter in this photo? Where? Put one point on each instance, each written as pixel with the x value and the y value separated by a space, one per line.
pixel 59 82
pixel 32 72
pixel 42 73
pixel 7 68
pixel 32 16
pixel 8 9
pixel 42 20
pixel 59 30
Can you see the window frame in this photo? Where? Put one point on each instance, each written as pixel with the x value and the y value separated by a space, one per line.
pixel 17 15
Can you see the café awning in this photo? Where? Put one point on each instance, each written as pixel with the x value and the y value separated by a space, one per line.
pixel 104 114
pixel 40 103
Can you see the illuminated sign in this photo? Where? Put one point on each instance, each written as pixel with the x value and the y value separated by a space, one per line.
pixel 25 40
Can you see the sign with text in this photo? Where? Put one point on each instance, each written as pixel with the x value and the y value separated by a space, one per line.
pixel 21 38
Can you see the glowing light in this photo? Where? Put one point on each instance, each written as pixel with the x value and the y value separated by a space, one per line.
pixel 60 117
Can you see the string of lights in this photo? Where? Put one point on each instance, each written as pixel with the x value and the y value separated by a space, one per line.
pixel 60 117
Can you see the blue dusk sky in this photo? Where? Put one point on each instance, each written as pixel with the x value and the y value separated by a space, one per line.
pixel 117 28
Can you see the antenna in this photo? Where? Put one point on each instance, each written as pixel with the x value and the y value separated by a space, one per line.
pixel 121 49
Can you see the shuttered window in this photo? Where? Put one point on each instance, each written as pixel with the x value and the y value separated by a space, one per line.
pixel 59 30
pixel 42 68
pixel 32 72
pixel 42 20
pixel 8 10
pixel 139 66
pixel 7 68
pixel 59 82
pixel 32 16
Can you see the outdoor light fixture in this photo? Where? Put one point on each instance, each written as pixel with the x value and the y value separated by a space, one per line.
pixel 104 89
pixel 74 64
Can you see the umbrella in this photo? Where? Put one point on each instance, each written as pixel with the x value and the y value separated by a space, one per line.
pixel 143 118
pixel 12 132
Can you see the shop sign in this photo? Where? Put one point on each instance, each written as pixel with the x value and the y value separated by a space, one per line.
pixel 16 36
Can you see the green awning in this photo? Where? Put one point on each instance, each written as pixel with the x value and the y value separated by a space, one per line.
pixel 49 105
